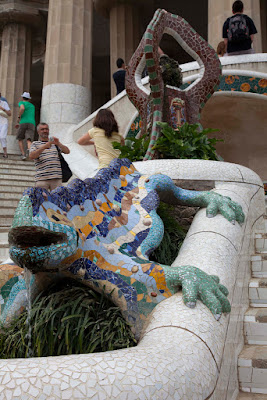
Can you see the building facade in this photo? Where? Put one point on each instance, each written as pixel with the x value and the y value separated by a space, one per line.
pixel 64 51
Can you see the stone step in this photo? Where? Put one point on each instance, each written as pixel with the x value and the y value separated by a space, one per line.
pixel 259 265
pixel 255 326
pixel 11 177
pixel 15 176
pixel 9 203
pixel 251 396
pixel 6 222
pixel 262 227
pixel 5 196
pixel 7 211
pixel 15 161
pixel 3 229
pixel 252 369
pixel 12 186
pixel 257 292
pixel 4 235
pixel 17 171
pixel 265 221
pixel 4 253
pixel 260 242
pixel 17 164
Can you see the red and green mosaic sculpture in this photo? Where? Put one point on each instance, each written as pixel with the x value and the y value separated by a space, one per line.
pixel 194 97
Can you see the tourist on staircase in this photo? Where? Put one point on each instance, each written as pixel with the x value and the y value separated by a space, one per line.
pixel 26 123
pixel 238 31
pixel 45 153
pixel 119 75
pixel 4 114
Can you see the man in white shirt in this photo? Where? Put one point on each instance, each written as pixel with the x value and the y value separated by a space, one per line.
pixel 4 114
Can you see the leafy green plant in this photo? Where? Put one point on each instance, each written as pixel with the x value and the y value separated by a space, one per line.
pixel 173 238
pixel 188 142
pixel 69 319
pixel 134 149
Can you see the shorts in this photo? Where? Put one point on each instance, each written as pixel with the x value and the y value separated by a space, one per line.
pixel 26 131
pixel 237 53
pixel 49 184
pixel 3 134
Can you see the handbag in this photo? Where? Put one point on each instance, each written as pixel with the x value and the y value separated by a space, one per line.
pixel 66 171
pixel 3 114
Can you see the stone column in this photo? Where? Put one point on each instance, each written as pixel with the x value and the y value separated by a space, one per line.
pixel 252 9
pixel 219 10
pixel 15 67
pixel 124 36
pixel 66 98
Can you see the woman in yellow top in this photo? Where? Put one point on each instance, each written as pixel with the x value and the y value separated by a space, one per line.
pixel 104 132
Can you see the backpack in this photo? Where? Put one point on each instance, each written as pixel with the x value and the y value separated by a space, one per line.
pixel 238 29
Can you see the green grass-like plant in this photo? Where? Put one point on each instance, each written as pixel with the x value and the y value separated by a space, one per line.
pixel 67 319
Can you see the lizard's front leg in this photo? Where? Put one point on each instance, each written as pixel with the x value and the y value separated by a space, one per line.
pixel 197 284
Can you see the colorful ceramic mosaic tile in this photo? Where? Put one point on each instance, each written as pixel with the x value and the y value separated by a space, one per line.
pixel 101 232
pixel 9 275
pixel 246 84
pixel 240 83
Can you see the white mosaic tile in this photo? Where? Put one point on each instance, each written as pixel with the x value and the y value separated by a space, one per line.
pixel 183 169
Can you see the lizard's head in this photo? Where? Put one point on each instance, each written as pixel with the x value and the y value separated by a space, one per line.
pixel 40 244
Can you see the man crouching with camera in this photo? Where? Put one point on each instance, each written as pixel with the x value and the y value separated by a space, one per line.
pixel 45 153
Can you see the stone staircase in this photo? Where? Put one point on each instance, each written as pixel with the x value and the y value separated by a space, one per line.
pixel 252 362
pixel 15 176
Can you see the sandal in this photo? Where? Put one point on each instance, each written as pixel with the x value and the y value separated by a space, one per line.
pixel 5 156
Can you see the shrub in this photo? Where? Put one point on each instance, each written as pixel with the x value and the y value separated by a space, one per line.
pixel 189 142
pixel 134 149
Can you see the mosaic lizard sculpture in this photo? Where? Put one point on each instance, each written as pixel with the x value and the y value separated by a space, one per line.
pixel 194 96
pixel 102 230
